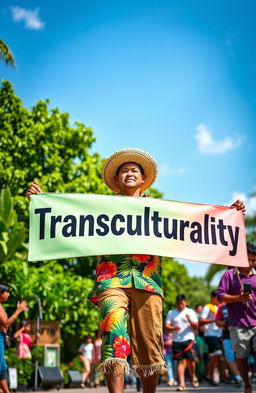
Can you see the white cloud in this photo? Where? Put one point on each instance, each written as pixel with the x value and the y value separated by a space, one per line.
pixel 30 17
pixel 250 202
pixel 207 145
pixel 166 169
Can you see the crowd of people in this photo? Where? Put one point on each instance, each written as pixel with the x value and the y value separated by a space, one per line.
pixel 195 341
pixel 215 342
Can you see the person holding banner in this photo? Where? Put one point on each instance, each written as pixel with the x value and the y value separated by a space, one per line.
pixel 128 288
pixel 237 288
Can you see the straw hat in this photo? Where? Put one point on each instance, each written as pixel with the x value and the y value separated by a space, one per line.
pixel 123 156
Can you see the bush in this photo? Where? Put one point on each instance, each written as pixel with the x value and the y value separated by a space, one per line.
pixel 25 367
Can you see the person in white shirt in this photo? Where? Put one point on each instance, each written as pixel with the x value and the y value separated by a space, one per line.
pixel 182 321
pixel 85 353
pixel 212 336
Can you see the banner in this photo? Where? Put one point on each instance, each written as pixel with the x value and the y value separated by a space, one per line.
pixel 74 225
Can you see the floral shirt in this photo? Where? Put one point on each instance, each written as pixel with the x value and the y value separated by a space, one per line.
pixel 128 271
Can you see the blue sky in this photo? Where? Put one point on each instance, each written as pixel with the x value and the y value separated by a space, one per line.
pixel 174 78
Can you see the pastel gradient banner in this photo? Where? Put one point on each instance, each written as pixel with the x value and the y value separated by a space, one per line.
pixel 74 225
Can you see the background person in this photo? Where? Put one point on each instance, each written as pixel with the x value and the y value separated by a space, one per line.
pixel 222 320
pixel 201 350
pixel 212 336
pixel 237 288
pixel 96 354
pixel 181 322
pixel 198 309
pixel 168 353
pixel 24 340
pixel 85 353
pixel 5 323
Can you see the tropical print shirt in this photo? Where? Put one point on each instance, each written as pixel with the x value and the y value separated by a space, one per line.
pixel 128 271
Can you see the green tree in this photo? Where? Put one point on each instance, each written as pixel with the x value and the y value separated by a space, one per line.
pixel 176 280
pixel 12 232
pixel 251 228
pixel 63 293
pixel 154 193
pixel 6 54
pixel 40 143
pixel 250 222
pixel 63 296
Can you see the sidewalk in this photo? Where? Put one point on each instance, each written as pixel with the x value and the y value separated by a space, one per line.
pixel 222 388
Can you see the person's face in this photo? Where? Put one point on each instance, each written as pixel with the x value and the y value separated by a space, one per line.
pixel 215 300
pixel 181 304
pixel 252 260
pixel 199 309
pixel 4 296
pixel 27 328
pixel 129 176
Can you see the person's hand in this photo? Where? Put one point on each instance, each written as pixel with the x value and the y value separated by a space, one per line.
pixel 239 205
pixel 22 306
pixel 245 297
pixel 187 318
pixel 176 328
pixel 34 188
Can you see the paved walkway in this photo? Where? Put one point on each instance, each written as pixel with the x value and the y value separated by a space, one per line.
pixel 222 388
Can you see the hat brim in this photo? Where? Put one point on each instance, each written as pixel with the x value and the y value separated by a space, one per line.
pixel 123 156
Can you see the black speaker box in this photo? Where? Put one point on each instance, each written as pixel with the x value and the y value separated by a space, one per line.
pixel 49 377
pixel 75 379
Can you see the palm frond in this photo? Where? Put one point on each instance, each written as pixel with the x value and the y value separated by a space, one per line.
pixel 6 54
pixel 212 270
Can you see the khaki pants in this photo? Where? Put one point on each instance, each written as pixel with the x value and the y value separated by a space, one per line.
pixel 131 322
pixel 87 369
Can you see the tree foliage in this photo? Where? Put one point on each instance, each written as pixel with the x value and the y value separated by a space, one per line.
pixel 63 296
pixel 176 281
pixel 250 222
pixel 12 232
pixel 6 54
pixel 40 143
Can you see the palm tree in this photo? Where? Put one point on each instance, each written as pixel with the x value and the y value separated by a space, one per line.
pixel 212 270
pixel 6 54
pixel 250 223
pixel 251 228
